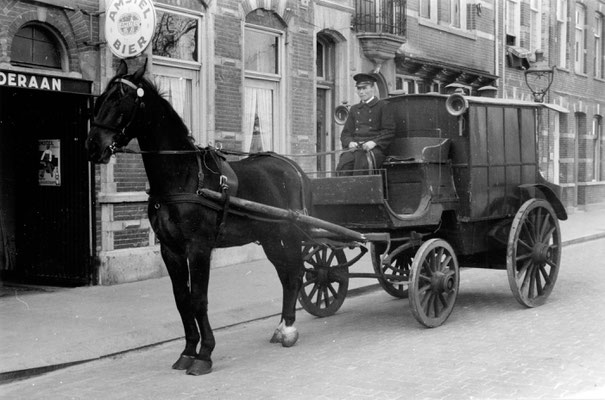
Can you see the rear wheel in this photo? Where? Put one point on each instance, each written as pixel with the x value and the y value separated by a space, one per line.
pixel 393 277
pixel 434 281
pixel 533 254
pixel 325 281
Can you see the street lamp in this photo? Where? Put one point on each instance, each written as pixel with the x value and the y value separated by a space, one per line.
pixel 539 77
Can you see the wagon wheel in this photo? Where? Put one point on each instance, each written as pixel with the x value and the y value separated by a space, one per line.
pixel 325 281
pixel 398 270
pixel 434 281
pixel 533 253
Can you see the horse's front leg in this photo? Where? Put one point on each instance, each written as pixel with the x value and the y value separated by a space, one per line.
pixel 176 264
pixel 287 258
pixel 199 265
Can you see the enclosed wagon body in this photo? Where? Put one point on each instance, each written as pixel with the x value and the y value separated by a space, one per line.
pixel 463 164
pixel 461 182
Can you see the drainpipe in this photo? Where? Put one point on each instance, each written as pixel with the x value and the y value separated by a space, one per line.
pixel 496 41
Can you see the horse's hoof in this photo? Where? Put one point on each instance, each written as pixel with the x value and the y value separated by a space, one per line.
pixel 277 336
pixel 184 362
pixel 289 337
pixel 200 367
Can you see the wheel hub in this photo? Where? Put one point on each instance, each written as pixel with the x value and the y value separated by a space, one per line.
pixel 541 252
pixel 443 281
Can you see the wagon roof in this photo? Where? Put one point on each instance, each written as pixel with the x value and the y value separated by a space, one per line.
pixel 493 101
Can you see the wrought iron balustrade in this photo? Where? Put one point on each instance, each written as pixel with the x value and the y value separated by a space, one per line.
pixel 380 16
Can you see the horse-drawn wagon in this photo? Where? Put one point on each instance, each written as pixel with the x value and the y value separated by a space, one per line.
pixel 462 185
pixel 461 182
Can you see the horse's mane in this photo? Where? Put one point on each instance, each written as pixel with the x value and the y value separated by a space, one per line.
pixel 151 87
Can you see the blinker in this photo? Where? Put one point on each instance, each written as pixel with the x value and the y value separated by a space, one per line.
pixel 140 92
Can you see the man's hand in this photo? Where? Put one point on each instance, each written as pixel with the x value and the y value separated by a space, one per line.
pixel 353 145
pixel 367 146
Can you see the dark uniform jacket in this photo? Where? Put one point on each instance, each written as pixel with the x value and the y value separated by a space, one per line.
pixel 369 121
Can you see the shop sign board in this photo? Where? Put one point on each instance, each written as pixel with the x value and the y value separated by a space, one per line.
pixel 25 80
pixel 49 158
pixel 129 26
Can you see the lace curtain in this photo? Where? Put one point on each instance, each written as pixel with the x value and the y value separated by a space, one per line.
pixel 178 92
pixel 258 119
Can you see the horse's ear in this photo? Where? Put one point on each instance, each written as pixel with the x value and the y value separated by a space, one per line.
pixel 123 68
pixel 140 72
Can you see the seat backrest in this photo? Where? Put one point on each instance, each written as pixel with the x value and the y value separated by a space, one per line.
pixel 419 149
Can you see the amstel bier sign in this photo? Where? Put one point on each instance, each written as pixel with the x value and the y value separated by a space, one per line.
pixel 129 26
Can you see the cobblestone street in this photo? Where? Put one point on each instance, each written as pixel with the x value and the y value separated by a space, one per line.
pixel 373 348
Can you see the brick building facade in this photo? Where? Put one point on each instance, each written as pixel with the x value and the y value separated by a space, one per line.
pixel 267 75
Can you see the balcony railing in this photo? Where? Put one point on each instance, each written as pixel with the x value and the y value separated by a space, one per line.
pixel 380 16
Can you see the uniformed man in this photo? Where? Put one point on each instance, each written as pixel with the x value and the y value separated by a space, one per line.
pixel 368 130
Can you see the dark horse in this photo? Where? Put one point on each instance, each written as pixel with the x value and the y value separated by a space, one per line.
pixel 189 226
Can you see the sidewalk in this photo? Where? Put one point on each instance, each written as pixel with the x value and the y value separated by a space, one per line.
pixel 41 331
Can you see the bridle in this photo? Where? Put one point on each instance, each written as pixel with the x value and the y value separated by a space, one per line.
pixel 120 138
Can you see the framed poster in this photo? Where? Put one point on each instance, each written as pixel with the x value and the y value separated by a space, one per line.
pixel 49 157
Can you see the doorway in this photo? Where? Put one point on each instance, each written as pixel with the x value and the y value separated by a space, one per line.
pixel 44 188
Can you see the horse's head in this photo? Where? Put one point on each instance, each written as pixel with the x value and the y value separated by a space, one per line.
pixel 115 113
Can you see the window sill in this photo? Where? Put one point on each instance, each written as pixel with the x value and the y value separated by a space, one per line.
pixel 446 28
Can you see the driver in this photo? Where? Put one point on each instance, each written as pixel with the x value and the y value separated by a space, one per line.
pixel 368 130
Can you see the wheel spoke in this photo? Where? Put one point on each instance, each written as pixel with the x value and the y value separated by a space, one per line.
pixel 527 246
pixel 311 281
pixel 334 292
pixel 522 257
pixel 313 291
pixel 326 297
pixel 545 275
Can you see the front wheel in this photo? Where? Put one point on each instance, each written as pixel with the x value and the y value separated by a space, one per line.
pixel 434 281
pixel 533 253
pixel 394 276
pixel 325 280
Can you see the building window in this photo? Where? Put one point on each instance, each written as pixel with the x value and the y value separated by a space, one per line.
pixel 37 47
pixel 261 51
pixel 325 59
pixel 535 25
pixel 562 33
pixel 580 40
pixel 411 85
pixel 597 132
pixel 513 24
pixel 458 14
pixel 429 10
pixel 176 36
pixel 598 46
pixel 263 64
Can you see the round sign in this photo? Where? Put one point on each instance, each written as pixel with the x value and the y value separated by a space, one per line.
pixel 129 26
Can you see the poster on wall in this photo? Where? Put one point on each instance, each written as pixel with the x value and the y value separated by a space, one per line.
pixel 49 157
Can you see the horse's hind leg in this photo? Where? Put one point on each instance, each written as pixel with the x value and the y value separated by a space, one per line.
pixel 199 265
pixel 176 264
pixel 287 259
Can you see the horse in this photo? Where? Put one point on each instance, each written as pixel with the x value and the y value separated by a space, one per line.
pixel 188 225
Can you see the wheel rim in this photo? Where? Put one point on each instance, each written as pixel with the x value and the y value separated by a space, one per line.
pixel 325 281
pixel 393 277
pixel 434 283
pixel 533 253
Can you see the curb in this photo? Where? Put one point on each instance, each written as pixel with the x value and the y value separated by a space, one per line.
pixel 13 376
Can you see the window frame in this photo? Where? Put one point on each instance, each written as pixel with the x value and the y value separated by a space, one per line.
pixel 280 53
pixel 561 17
pixel 535 20
pixel 597 133
pixel 598 46
pixel 513 13
pixel 177 61
pixel 57 42
pixel 580 39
